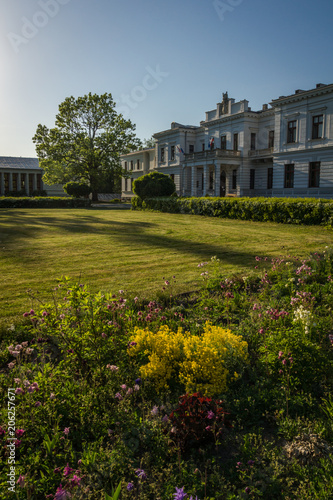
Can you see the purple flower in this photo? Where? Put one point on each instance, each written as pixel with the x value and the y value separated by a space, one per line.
pixel 138 381
pixel 19 432
pixel 118 396
pixel 250 462
pixel 75 480
pixel 130 486
pixel 19 390
pixel 66 431
pixel 180 494
pixel 247 490
pixel 154 411
pixel 210 415
pixel 141 474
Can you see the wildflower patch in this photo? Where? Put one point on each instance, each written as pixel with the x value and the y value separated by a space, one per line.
pixel 201 363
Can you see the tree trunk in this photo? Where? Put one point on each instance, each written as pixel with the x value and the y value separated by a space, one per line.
pixel 94 195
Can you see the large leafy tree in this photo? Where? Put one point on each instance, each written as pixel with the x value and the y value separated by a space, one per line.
pixel 86 142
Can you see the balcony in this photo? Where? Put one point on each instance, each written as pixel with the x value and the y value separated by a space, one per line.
pixel 213 154
pixel 261 153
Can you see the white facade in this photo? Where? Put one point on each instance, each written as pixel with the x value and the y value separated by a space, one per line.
pixel 286 149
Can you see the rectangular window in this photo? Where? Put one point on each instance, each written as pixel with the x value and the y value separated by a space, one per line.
pixel 203 146
pixel 138 164
pixel 271 139
pixel 162 154
pixel 191 148
pixel 131 164
pixel 253 141
pixel 289 176
pixel 172 154
pixel 234 179
pixel 270 178
pixel 235 142
pixel 252 177
pixel 314 174
pixel 291 137
pixel 317 127
pixel 172 177
pixel 224 142
pixel 125 165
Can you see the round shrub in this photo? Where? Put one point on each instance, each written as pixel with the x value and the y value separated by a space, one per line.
pixel 153 185
pixel 77 189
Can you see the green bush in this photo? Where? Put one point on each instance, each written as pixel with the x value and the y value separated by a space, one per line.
pixel 77 189
pixel 154 184
pixel 282 210
pixel 44 202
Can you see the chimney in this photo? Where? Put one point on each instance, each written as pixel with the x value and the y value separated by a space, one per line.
pixel 320 85
pixel 265 107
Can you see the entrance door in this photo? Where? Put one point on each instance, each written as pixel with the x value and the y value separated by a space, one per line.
pixel 222 184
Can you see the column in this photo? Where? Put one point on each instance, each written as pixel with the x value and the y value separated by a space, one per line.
pixel 217 179
pixel 205 180
pixel 194 181
pixel 2 184
pixel 26 184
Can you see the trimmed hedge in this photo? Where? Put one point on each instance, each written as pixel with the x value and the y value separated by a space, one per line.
pixel 44 202
pixel 308 211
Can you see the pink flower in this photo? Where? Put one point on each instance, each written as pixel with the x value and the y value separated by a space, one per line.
pixel 62 494
pixel 75 480
pixel 154 411
pixel 19 432
pixel 19 390
pixel 210 415
pixel 11 365
pixel 25 344
pixel 113 368
pixel 29 351
pixel 66 431
pixel 38 403
pixel 67 470
pixel 21 481
pixel 104 335
pixel 123 387
pixel 136 387
pixel 52 395
pixel 208 428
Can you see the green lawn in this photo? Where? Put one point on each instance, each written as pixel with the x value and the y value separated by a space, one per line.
pixel 113 249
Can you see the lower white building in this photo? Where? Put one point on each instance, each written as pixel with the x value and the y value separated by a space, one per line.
pixel 285 149
pixel 19 174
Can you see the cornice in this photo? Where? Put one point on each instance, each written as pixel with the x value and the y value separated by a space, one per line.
pixel 302 95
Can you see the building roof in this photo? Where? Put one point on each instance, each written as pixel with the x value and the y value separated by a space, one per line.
pixel 19 163
pixel 303 94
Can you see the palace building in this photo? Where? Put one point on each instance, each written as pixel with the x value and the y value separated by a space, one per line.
pixel 283 150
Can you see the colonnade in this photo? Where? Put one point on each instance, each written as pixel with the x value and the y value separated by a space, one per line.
pixel 17 181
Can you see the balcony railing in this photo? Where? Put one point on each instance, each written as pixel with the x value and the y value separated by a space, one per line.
pixel 212 154
pixel 262 152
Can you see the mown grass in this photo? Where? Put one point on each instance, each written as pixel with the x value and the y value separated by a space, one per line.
pixel 112 249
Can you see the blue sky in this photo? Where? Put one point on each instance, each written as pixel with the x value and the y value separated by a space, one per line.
pixel 162 61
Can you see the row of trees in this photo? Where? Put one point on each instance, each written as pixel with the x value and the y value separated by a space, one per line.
pixel 85 145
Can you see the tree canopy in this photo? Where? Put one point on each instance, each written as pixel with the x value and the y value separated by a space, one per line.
pixel 86 142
